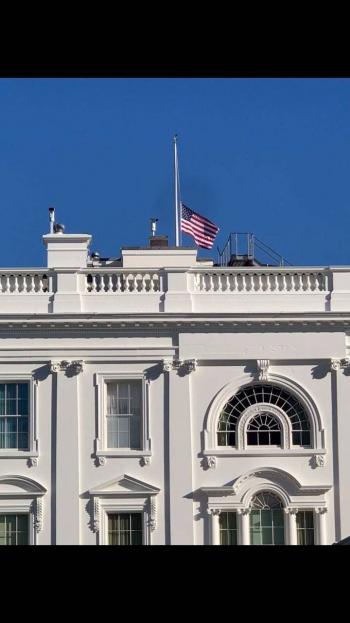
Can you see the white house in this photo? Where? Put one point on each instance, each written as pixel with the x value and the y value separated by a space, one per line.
pixel 159 399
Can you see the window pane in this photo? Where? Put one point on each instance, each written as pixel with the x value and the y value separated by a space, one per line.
pixel 278 536
pixel 255 519
pixel 23 399
pixel 255 537
pixel 125 529
pixel 2 399
pixel 266 536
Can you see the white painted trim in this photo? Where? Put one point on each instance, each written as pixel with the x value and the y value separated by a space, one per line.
pixel 100 382
pixel 33 439
pixel 246 380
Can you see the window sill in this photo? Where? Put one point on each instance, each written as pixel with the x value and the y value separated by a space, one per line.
pixel 20 454
pixel 230 452
pixel 123 453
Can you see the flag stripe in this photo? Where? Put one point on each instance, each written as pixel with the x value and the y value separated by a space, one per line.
pixel 202 230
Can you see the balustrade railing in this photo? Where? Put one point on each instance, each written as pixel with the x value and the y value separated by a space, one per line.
pixel 287 281
pixel 123 282
pixel 13 282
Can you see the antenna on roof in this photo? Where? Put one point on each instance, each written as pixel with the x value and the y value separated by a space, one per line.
pixel 154 222
pixel 51 219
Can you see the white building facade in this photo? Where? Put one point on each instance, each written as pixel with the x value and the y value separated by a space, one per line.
pixel 163 400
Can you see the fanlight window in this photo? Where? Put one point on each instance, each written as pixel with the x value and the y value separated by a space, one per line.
pixel 266 520
pixel 264 430
pixel 267 394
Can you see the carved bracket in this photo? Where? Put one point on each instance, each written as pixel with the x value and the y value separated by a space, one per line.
pixel 183 365
pixel 33 461
pixel 153 513
pixel 337 364
pixel 210 462
pixel 71 367
pixel 38 514
pixel 263 369
pixel 319 460
pixel 96 517
pixel 101 460
pixel 145 460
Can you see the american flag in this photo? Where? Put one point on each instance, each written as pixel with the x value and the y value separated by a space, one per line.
pixel 202 230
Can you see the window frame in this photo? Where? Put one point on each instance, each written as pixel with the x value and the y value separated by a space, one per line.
pixel 23 507
pixel 101 380
pixel 109 506
pixel 33 441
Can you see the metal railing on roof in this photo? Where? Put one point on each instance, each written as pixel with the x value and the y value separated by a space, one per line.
pixel 247 245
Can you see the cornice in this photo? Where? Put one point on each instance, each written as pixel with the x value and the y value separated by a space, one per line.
pixel 162 321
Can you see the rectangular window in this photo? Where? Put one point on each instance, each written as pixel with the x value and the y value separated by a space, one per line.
pixel 305 528
pixel 124 528
pixel 14 529
pixel 14 415
pixel 228 528
pixel 124 405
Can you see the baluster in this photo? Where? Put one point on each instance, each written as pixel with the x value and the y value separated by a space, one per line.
pixel 211 283
pixel 31 283
pixel 118 284
pixel 109 283
pixel 244 281
pixel 144 283
pixel 15 288
pixel 7 283
pixel 94 283
pixel 292 284
pixel 40 283
pixel 232 280
pixel 308 282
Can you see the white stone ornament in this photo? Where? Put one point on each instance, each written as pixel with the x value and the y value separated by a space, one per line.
pixel 33 461
pixel 101 460
pixel 263 369
pixel 145 460
pixel 211 462
pixel 167 365
pixel 38 515
pixel 319 460
pixel 96 518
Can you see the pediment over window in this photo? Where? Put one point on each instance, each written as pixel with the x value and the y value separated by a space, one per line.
pixel 124 485
pixel 13 485
pixel 240 491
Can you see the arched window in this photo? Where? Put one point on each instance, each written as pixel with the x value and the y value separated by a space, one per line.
pixel 266 519
pixel 266 395
pixel 264 430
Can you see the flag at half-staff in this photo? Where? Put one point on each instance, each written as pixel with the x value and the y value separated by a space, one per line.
pixel 202 230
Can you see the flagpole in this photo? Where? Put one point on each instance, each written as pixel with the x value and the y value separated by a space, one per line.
pixel 176 172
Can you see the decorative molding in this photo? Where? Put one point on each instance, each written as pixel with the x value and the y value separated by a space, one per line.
pixel 96 516
pixel 291 511
pixel 320 510
pixel 33 461
pixel 72 367
pixel 177 364
pixel 167 365
pixel 153 514
pixel 263 369
pixel 184 365
pixel 215 511
pixel 319 460
pixel 145 460
pixel 210 462
pixel 337 364
pixel 190 365
pixel 38 514
pixel 55 366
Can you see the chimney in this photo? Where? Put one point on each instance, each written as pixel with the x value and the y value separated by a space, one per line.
pixel 158 242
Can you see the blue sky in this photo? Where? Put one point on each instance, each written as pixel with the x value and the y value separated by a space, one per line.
pixel 270 156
